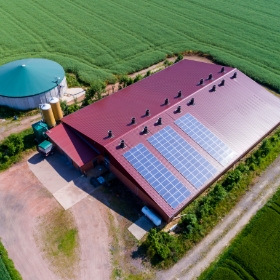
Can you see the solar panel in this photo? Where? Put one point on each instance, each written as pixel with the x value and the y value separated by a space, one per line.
pixel 206 139
pixel 157 175
pixel 188 161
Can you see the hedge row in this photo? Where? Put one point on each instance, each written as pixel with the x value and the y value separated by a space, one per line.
pixel 206 211
pixel 7 268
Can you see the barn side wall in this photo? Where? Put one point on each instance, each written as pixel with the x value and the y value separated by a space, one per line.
pixel 31 102
pixel 137 190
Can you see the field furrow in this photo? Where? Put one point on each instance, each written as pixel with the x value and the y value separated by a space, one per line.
pixel 102 38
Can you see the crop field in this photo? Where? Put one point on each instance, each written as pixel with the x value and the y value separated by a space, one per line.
pixel 255 253
pixel 99 38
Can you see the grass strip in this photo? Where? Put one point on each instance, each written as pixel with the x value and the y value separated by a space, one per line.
pixel 57 236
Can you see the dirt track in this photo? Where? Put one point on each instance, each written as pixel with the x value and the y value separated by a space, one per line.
pixel 16 126
pixel 201 256
pixel 23 200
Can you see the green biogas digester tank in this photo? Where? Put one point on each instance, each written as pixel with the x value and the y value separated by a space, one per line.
pixel 40 129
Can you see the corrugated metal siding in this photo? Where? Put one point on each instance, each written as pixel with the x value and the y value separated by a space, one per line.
pixel 32 102
pixel 71 144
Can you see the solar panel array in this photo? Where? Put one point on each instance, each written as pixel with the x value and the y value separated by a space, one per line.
pixel 188 161
pixel 206 139
pixel 157 175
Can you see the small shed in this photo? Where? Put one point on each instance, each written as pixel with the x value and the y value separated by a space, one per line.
pixel 45 147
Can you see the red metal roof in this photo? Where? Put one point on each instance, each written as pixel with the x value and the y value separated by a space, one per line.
pixel 240 113
pixel 115 113
pixel 72 144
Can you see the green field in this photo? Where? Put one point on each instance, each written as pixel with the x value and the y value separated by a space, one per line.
pixel 99 38
pixel 255 253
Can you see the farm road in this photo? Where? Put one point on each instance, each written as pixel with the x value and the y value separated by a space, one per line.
pixel 23 200
pixel 202 255
pixel 17 126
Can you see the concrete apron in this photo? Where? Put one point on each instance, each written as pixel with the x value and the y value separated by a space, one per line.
pixel 141 227
pixel 66 184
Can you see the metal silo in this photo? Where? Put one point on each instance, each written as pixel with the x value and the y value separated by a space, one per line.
pixel 48 115
pixel 57 112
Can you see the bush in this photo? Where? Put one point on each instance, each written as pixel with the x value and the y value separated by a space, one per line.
pixel 12 145
pixel 232 179
pixel 179 57
pixel 218 194
pixel 137 78
pixel 188 224
pixel 149 73
pixel 161 246
pixel 167 63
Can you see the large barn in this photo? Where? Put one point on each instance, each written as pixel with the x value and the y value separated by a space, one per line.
pixel 172 134
pixel 26 83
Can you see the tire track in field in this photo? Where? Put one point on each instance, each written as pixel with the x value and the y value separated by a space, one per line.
pixel 261 11
pixel 208 43
pixel 124 31
pixel 50 49
pixel 229 18
pixel 105 22
pixel 19 25
pixel 78 34
pixel 260 48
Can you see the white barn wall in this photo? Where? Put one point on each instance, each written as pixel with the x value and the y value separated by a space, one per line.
pixel 31 102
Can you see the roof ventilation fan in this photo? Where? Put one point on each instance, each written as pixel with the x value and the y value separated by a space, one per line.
pixel 234 75
pixel 201 82
pixel 222 83
pixel 179 93
pixel 159 121
pixel 222 69
pixel 178 110
pixel 213 88
pixel 122 144
pixel 147 112
pixel 210 77
pixel 191 102
pixel 110 134
pixel 145 130
pixel 133 120
pixel 166 101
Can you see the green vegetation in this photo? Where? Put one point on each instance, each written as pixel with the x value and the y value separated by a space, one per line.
pixel 57 236
pixel 105 38
pixel 9 113
pixel 7 269
pixel 94 93
pixel 255 253
pixel 69 109
pixel 206 211
pixel 15 146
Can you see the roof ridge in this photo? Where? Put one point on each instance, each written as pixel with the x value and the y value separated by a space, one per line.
pixel 167 108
